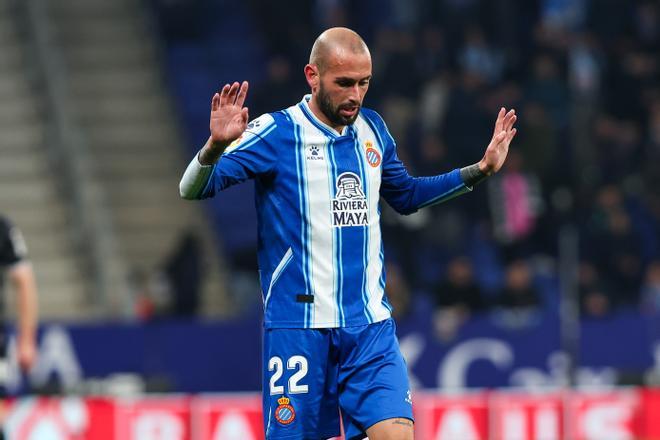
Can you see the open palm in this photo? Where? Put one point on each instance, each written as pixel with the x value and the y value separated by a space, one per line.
pixel 228 116
pixel 498 148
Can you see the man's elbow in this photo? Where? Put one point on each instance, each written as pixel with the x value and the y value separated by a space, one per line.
pixel 186 192
pixel 403 208
pixel 406 210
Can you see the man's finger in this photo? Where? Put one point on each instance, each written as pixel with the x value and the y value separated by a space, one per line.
pixel 511 135
pixel 509 124
pixel 215 102
pixel 498 121
pixel 233 91
pixel 242 93
pixel 511 115
pixel 224 93
pixel 507 120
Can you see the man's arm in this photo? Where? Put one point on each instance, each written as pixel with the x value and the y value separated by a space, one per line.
pixel 22 277
pixel 195 178
pixel 496 152
pixel 13 256
pixel 227 122
pixel 407 194
pixel 235 151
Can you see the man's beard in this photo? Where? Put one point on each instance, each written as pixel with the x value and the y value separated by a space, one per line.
pixel 332 113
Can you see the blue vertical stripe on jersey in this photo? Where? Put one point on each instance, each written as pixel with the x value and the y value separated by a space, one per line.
pixel 365 232
pixel 384 300
pixel 308 234
pixel 351 244
pixel 299 153
pixel 338 241
pixel 381 282
pixel 331 191
pixel 286 259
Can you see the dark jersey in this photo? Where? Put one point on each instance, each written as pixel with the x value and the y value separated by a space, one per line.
pixel 12 247
pixel 12 251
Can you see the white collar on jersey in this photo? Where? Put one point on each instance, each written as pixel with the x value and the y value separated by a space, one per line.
pixel 305 102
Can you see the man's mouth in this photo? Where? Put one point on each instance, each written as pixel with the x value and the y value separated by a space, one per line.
pixel 348 112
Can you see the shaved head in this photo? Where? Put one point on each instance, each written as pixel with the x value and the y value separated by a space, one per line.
pixel 336 44
pixel 338 74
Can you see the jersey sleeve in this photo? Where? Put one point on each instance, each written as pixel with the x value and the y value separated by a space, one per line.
pixel 12 244
pixel 250 156
pixel 405 193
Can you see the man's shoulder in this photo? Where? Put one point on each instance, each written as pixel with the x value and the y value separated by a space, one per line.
pixel 265 123
pixel 260 125
pixel 372 117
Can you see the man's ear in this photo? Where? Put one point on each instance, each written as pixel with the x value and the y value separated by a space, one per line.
pixel 312 76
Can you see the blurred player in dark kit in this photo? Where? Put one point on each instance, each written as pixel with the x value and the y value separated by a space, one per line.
pixel 16 270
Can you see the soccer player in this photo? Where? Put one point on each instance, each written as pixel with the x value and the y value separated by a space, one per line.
pixel 320 168
pixel 15 266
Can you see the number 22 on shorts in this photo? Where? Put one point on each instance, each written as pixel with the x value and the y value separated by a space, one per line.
pixel 296 362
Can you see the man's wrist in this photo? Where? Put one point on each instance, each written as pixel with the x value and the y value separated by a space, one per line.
pixel 210 154
pixel 484 168
pixel 473 174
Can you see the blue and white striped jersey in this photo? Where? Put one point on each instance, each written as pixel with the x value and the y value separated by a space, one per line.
pixel 317 192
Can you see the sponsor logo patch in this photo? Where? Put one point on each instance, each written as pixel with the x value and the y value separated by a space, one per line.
pixel 314 153
pixel 349 207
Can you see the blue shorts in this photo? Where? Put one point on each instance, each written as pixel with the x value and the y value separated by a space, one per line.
pixel 310 374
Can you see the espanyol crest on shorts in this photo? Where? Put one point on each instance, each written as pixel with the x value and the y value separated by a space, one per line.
pixel 284 413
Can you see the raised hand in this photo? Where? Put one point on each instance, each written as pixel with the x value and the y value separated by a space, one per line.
pixel 498 148
pixel 27 353
pixel 228 116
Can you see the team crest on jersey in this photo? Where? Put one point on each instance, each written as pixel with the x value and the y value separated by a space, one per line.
pixel 236 142
pixel 373 157
pixel 284 413
pixel 314 153
pixel 349 207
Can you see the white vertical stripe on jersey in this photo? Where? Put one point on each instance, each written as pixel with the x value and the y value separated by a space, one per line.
pixel 308 226
pixel 367 183
pixel 299 149
pixel 333 235
pixel 336 257
pixel 319 185
pixel 375 257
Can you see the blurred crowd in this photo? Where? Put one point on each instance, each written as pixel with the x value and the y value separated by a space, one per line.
pixel 584 78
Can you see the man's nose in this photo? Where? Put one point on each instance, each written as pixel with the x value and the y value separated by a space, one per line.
pixel 354 94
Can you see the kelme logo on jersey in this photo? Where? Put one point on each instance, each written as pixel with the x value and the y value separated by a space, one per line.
pixel 314 153
pixel 284 413
pixel 349 207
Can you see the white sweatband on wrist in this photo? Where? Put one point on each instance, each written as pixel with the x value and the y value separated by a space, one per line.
pixel 194 179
